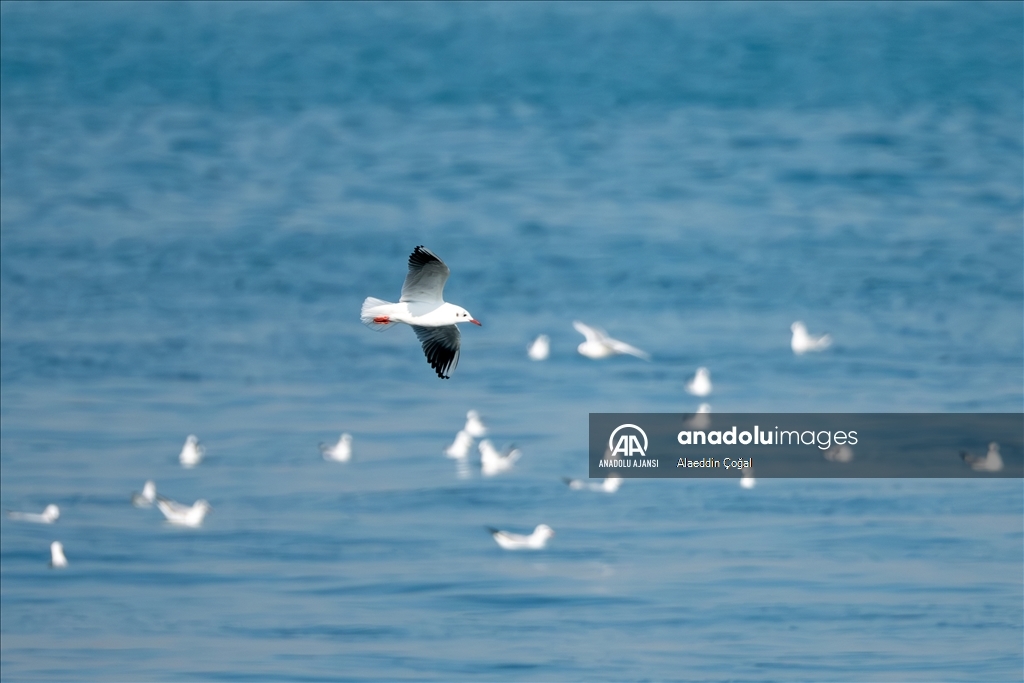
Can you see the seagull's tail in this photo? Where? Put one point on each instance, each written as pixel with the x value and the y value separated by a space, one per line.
pixel 372 317
pixel 492 530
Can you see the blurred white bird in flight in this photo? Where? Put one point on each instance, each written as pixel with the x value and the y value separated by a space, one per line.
pixel 609 485
pixel 540 348
pixel 700 385
pixel 597 344
pixel 57 558
pixel 422 307
pixel 493 462
pixel 49 515
pixel 475 427
pixel 192 452
pixel 339 452
pixel 535 541
pixel 183 515
pixel 147 497
pixel 802 342
pixel 992 462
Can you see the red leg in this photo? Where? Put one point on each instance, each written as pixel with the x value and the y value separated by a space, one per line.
pixel 382 319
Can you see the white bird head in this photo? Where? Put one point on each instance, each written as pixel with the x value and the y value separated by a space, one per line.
pixel 543 532
pixel 51 513
pixel 475 427
pixel 464 316
pixel 798 327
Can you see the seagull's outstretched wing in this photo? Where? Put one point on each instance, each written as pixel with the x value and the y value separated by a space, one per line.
pixel 426 278
pixel 623 347
pixel 591 333
pixel 441 346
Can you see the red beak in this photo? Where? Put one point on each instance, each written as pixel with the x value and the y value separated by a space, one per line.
pixel 475 321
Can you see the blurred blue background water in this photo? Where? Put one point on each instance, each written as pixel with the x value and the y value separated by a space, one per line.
pixel 197 197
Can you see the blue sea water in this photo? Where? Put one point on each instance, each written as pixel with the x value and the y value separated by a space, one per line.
pixel 196 198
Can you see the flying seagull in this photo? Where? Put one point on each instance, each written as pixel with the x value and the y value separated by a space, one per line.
pixel 802 341
pixel 599 345
pixel 422 306
pixel 493 461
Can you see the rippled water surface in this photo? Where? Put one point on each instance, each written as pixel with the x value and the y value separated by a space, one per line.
pixel 196 198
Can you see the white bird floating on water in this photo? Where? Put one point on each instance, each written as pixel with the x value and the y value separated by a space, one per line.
pixel 535 541
pixel 700 385
pixel 461 446
pixel 57 558
pixel 183 515
pixel 192 452
pixel 494 462
pixel 49 515
pixel 540 348
pixel 839 453
pixel 802 342
pixel 339 452
pixel 992 462
pixel 599 345
pixel 701 419
pixel 475 427
pixel 422 306
pixel 147 497
pixel 747 480
pixel 609 485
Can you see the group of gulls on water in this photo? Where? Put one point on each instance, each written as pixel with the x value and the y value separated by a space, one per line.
pixel 176 514
pixel 421 305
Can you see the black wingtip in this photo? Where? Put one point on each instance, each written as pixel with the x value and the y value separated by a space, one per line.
pixel 421 256
pixel 492 530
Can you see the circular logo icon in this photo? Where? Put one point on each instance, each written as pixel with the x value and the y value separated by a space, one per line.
pixel 627 444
